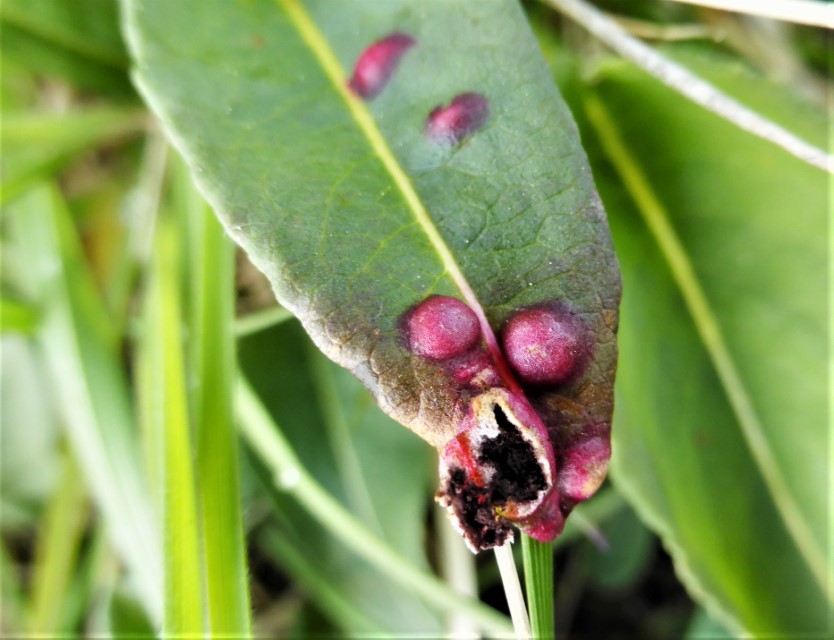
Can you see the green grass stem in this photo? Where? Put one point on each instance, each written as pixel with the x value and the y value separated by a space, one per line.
pixel 277 454
pixel 86 378
pixel 212 368
pixel 538 580
pixel 184 578
pixel 260 320
pixel 56 552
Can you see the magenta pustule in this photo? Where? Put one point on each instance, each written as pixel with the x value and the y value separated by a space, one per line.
pixel 544 347
pixel 498 472
pixel 465 114
pixel 441 327
pixel 583 468
pixel 377 63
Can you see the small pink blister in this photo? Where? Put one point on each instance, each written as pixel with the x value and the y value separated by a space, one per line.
pixel 465 114
pixel 377 64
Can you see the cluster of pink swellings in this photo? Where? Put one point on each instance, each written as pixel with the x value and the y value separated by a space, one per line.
pixel 500 469
pixel 448 124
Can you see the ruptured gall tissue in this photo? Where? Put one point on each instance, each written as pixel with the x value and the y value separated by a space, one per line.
pixel 441 327
pixel 544 347
pixel 377 64
pixel 498 473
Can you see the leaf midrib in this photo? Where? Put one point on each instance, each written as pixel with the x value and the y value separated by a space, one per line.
pixel 315 40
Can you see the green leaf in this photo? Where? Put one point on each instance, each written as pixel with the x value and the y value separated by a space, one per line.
pixel 379 472
pixel 77 40
pixel 168 419
pixel 703 625
pixel 538 582
pixel 17 317
pixel 212 369
pixel 30 430
pixel 87 382
pixel 356 215
pixel 36 145
pixel 722 389
pixel 291 476
pixel 626 555
pixel 59 538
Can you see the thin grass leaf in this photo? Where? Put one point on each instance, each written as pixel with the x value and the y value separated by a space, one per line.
pixel 310 580
pixel 291 476
pixel 512 590
pixel 212 369
pixel 59 538
pixel 36 145
pixel 538 581
pixel 88 382
pixel 260 320
pixel 811 12
pixel 17 317
pixel 182 549
pixel 458 569
pixel 690 85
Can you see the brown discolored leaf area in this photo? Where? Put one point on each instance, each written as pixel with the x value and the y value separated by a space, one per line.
pixel 460 174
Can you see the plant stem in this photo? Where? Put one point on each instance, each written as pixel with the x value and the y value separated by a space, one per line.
pixel 213 369
pixel 512 590
pixel 458 567
pixel 688 84
pixel 538 578
pixel 260 320
pixel 276 452
pixel 818 14
pixel 56 552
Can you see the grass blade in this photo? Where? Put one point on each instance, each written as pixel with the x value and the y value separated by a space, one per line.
pixel 260 320
pixel 512 591
pixel 277 454
pixel 212 367
pixel 36 145
pixel 329 598
pixel 688 84
pixel 184 588
pixel 88 380
pixel 58 543
pixel 538 580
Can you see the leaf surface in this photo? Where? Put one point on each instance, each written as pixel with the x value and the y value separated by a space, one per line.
pixel 392 464
pixel 356 214
pixel 78 41
pixel 721 397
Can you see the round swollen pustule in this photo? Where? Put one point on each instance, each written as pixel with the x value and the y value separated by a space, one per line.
pixel 442 327
pixel 542 346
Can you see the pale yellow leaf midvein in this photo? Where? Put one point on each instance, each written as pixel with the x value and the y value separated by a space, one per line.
pixel 331 66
